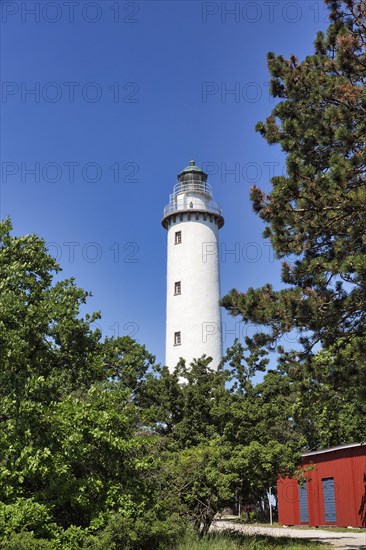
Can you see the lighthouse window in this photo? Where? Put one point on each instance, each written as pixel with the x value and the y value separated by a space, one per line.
pixel 177 339
pixel 178 237
pixel 177 288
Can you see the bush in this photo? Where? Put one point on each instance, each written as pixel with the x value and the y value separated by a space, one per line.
pixel 27 515
pixel 25 541
pixel 143 533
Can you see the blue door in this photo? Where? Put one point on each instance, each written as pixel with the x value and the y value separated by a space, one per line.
pixel 329 500
pixel 303 500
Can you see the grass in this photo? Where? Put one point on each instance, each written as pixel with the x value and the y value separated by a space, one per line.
pixel 232 540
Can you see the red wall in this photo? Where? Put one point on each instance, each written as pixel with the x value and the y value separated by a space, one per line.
pixel 348 468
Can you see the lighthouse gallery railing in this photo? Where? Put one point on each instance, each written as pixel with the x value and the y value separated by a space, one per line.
pixel 195 186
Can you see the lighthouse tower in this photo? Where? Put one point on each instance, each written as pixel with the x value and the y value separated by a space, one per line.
pixel 193 317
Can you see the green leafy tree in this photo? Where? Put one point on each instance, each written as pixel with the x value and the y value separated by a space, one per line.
pixel 205 478
pixel 101 448
pixel 76 460
pixel 222 436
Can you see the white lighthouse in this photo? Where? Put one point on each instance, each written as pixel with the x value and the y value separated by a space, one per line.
pixel 193 317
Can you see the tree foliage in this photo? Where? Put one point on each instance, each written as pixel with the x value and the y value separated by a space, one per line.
pixel 99 447
pixel 73 450
pixel 316 212
pixel 315 218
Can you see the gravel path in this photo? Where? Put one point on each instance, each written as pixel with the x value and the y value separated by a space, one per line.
pixel 348 541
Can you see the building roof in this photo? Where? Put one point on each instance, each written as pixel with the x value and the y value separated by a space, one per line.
pixel 192 167
pixel 332 449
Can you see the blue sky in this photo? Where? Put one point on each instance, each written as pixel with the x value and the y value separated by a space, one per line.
pixel 124 95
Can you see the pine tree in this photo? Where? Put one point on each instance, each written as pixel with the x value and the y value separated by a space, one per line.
pixel 317 211
pixel 316 214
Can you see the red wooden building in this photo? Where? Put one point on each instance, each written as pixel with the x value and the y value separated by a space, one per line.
pixel 335 491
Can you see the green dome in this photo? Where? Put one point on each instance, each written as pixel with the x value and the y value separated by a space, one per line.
pixel 192 168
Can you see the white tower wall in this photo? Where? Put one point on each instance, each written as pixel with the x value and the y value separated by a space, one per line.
pixel 195 313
